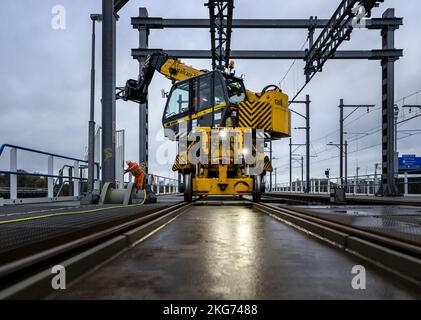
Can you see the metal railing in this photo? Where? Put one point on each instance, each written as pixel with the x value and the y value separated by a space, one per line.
pixel 76 178
pixel 368 185
pixel 163 185
pixel 76 175
pixel 160 185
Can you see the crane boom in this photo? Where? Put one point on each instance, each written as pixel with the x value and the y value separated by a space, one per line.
pixel 171 68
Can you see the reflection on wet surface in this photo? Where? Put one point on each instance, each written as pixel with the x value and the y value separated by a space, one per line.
pixel 400 221
pixel 366 210
pixel 228 252
pixel 231 240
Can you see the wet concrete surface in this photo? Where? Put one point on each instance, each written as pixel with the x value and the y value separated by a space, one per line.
pixel 25 229
pixel 368 210
pixel 233 252
pixel 351 199
pixel 401 222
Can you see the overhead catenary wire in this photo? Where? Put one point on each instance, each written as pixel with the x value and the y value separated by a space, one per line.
pixel 292 64
pixel 376 129
pixel 364 148
pixel 373 130
pixel 367 133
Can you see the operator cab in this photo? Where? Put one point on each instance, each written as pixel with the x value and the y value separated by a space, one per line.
pixel 207 100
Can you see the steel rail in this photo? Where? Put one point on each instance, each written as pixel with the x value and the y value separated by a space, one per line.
pixel 19 275
pixel 400 257
pixel 362 199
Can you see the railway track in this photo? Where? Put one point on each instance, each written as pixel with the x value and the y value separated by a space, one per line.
pixel 350 199
pixel 30 277
pixel 401 258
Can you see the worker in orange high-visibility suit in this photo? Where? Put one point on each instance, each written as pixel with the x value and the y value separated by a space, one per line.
pixel 137 172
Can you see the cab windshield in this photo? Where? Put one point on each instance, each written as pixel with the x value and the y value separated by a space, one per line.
pixel 235 88
pixel 178 103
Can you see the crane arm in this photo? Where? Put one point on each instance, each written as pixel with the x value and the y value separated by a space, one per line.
pixel 171 68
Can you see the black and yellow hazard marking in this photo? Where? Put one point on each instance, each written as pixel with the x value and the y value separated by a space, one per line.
pixel 257 115
pixel 267 166
pixel 176 166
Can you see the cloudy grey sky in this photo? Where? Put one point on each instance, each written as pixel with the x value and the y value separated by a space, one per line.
pixel 45 73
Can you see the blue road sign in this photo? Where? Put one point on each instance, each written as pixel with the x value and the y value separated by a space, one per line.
pixel 409 162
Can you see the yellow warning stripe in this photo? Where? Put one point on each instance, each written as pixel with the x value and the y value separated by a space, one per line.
pixel 196 115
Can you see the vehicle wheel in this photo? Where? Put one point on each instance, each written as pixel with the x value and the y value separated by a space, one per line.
pixel 188 188
pixel 263 184
pixel 257 190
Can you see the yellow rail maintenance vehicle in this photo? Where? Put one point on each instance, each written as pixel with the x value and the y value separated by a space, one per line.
pixel 215 104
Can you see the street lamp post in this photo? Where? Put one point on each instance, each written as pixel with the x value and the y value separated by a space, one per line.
pixel 270 158
pixel 302 173
pixel 395 124
pixel 307 144
pixel 273 159
pixel 341 131
pixel 275 173
pixel 301 161
pixel 290 159
pixel 91 134
pixel 290 164
pixel 356 180
pixel 345 155
pixel 346 165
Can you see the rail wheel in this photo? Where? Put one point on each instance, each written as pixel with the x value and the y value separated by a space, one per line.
pixel 188 188
pixel 257 190
pixel 263 183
